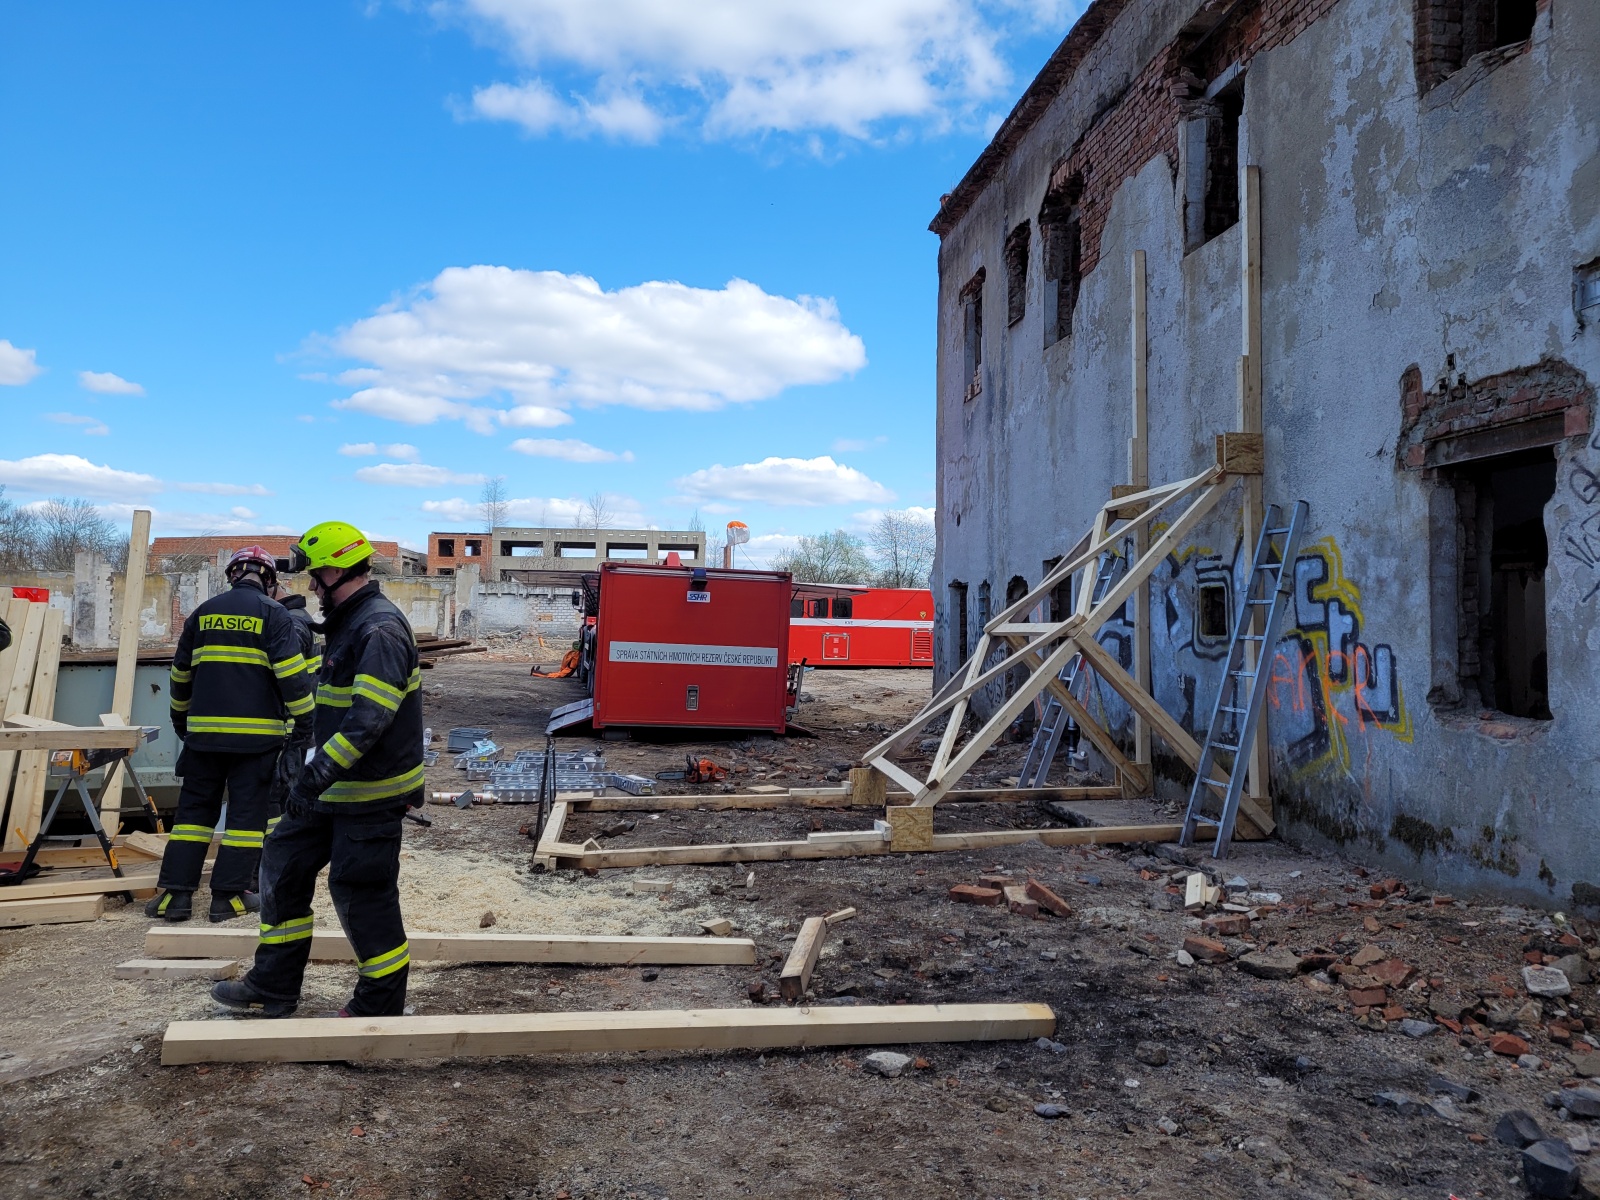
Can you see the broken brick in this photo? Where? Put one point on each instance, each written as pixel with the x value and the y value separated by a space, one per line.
pixel 1047 899
pixel 1392 972
pixel 1226 925
pixel 1019 902
pixel 996 881
pixel 1374 997
pixel 1205 950
pixel 966 893
pixel 1508 1044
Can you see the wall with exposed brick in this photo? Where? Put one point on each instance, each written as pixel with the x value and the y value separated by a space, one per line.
pixel 1408 237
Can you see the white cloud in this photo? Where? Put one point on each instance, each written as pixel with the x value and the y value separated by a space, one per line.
pixel 108 384
pixel 93 426
pixel 71 475
pixel 403 451
pixel 735 68
pixel 784 481
pixel 535 106
pixel 856 445
pixel 555 512
pixel 17 366
pixel 416 475
pixel 238 521
pixel 243 513
pixel 476 335
pixel 868 517
pixel 221 489
pixel 569 450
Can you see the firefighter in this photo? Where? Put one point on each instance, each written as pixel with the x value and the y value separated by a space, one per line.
pixel 238 681
pixel 293 757
pixel 345 810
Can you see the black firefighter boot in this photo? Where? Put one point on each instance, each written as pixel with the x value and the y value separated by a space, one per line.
pixel 225 906
pixel 236 993
pixel 171 906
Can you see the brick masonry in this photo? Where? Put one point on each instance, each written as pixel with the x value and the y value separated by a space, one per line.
pixel 1511 398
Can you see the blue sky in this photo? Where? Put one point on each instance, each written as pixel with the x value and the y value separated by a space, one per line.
pixel 267 264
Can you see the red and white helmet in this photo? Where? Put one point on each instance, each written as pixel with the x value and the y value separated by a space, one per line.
pixel 258 557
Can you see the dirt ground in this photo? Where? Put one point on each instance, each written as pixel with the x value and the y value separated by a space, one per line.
pixel 1268 1086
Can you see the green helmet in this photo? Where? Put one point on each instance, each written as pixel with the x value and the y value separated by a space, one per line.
pixel 330 544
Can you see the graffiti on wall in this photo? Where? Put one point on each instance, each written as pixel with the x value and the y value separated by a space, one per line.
pixel 1328 685
pixel 1580 538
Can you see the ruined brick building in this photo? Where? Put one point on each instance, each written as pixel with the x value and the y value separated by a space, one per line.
pixel 1430 296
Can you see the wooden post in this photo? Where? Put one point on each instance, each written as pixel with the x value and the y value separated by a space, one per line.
pixel 1256 783
pixel 1139 478
pixel 127 653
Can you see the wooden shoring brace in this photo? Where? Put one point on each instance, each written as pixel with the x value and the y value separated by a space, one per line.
pixel 796 977
pixel 1080 634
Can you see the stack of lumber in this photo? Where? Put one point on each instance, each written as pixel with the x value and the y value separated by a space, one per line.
pixel 432 648
pixel 28 689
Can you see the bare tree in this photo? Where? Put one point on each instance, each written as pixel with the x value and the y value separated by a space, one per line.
pixel 836 557
pixel 493 504
pixel 67 527
pixel 597 513
pixel 19 536
pixel 902 546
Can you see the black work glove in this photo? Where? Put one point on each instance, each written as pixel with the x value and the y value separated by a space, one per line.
pixel 297 803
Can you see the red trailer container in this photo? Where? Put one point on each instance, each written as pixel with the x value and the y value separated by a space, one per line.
pixel 691 646
pixel 842 625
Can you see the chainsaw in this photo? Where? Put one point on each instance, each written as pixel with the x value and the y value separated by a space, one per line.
pixel 695 770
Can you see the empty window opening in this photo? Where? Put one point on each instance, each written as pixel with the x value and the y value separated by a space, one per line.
pixel 1212 611
pixel 985 605
pixel 1017 273
pixel 959 646
pixel 1502 554
pixel 627 550
pixel 843 608
pixel 575 549
pixel 1212 155
pixel 474 549
pixel 447 547
pixel 972 334
pixel 1448 33
pixel 447 571
pixel 521 549
pixel 1061 227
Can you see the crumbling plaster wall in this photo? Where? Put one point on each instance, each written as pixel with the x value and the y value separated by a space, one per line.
pixel 1397 230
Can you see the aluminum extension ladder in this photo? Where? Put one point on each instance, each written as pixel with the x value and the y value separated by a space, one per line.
pixel 1233 725
pixel 1047 738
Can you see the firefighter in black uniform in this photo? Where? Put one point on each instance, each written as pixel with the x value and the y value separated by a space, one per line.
pixel 293 758
pixel 238 681
pixel 345 810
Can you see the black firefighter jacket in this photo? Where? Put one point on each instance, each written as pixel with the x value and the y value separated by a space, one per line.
pixel 369 711
pixel 239 676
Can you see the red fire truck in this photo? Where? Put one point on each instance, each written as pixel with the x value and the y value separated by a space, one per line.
pixel 848 625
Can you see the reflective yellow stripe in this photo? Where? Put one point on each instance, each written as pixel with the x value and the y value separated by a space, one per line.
pixel 191 833
pixel 231 654
pixel 289 666
pixel 243 839
pixel 302 706
pixel 254 726
pixel 178 676
pixel 314 663
pixel 388 963
pixel 272 823
pixel 353 791
pixel 341 750
pixel 333 697
pixel 288 931
pixel 379 692
pixel 180 706
pixel 415 682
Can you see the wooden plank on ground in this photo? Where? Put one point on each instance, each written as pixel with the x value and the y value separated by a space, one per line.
pixel 43 889
pixel 663 856
pixel 829 798
pixel 178 968
pixel 476 948
pixel 33 766
pixel 339 1039
pixel 796 977
pixel 55 911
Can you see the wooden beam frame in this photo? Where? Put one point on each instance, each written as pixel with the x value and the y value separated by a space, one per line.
pixel 127 656
pixel 796 976
pixel 369 1039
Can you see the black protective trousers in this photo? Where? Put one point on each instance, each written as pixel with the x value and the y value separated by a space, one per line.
pixel 246 779
pixel 362 852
